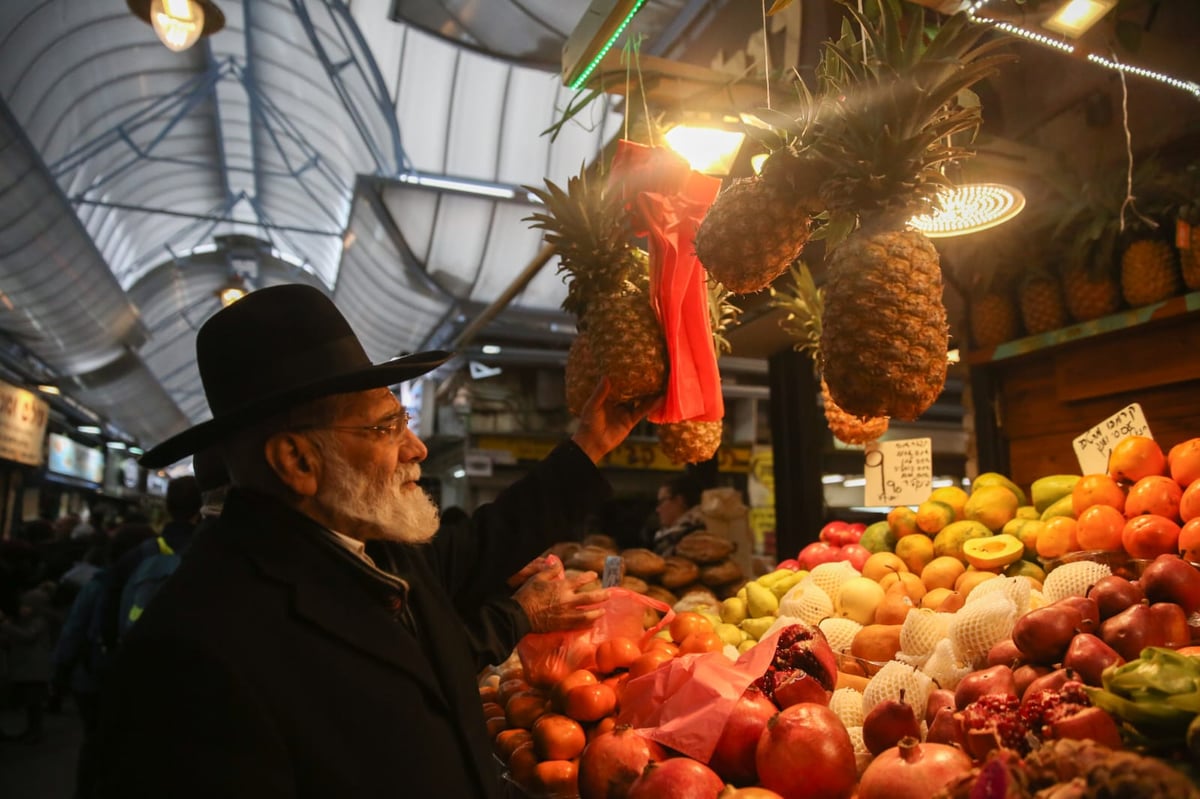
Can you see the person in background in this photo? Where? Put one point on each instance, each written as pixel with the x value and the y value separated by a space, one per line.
pixel 284 660
pixel 678 511
pixel 28 643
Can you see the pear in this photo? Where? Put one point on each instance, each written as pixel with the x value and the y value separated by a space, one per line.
pixel 992 680
pixel 760 601
pixel 888 722
pixel 858 598
pixel 895 605
pixel 1090 656
pixel 1113 594
pixel 1044 634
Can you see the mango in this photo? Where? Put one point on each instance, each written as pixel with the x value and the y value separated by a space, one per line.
pixel 760 601
pixel 950 540
pixel 953 496
pixel 994 552
pixel 755 628
pixel 997 479
pixel 1062 507
pixel 933 515
pixel 1050 489
pixel 902 520
pixel 1026 530
pixel 879 537
pixel 1028 512
pixel 992 506
pixel 1026 568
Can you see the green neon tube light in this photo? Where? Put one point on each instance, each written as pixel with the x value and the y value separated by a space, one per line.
pixel 591 67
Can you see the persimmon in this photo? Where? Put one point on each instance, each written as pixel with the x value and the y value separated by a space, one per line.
pixel 1057 538
pixel 509 688
pixel 1189 540
pixel 506 742
pixel 1183 461
pixel 558 694
pixel 1135 457
pixel 522 764
pixel 1100 527
pixel 496 725
pixel 557 779
pixel 649 661
pixel 1097 489
pixel 558 737
pixel 1154 494
pixel 686 623
pixel 524 709
pixel 701 641
pixel 1149 536
pixel 590 702
pixel 1189 501
pixel 616 653
pixel 606 724
pixel 492 709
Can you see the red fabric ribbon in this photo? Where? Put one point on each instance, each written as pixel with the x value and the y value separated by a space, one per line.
pixel 667 202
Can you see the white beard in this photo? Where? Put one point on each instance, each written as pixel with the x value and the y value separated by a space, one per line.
pixel 392 509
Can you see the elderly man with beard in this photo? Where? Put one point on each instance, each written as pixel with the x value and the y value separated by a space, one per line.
pixel 285 659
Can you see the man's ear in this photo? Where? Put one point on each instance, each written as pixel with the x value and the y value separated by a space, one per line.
pixel 295 462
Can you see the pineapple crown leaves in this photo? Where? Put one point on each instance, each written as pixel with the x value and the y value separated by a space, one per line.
pixel 803 303
pixel 591 234
pixel 722 314
pixel 900 99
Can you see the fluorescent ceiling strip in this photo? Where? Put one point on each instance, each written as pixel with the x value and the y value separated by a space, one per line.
pixel 479 188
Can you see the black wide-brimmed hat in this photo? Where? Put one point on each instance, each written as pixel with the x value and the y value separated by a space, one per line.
pixel 274 349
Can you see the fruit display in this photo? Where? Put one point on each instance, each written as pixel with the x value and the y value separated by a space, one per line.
pixel 974 643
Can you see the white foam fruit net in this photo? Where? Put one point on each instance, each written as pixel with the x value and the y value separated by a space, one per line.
pixel 943 667
pixel 830 576
pixel 1073 579
pixel 893 678
pixel 808 601
pixel 976 627
pixel 1015 588
pixel 780 622
pixel 1036 599
pixel 856 738
pixel 840 632
pixel 846 703
pixel 921 630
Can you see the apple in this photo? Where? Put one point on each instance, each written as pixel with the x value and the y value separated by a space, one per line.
pixel 1169 578
pixel 790 563
pixel 856 531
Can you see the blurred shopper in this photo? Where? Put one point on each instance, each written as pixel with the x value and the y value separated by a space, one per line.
pixel 27 640
pixel 295 663
pixel 678 511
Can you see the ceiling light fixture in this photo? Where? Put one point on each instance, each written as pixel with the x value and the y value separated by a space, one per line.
pixel 709 150
pixel 970 208
pixel 1074 17
pixel 461 185
pixel 179 23
pixel 233 290
pixel 48 389
pixel 89 429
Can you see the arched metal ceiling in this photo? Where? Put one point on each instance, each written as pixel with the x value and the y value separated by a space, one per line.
pixel 301 125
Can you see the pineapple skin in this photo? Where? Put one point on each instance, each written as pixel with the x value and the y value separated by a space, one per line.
pixel 993 320
pixel 1042 306
pixel 690 442
pixel 627 343
pixel 884 332
pixel 1089 297
pixel 848 428
pixel 1148 273
pixel 581 374
pixel 751 235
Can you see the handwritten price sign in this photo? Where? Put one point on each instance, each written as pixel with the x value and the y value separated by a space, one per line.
pixel 899 472
pixel 1093 447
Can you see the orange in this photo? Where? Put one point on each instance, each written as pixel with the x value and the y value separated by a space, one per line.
pixel 556 778
pixel 1189 540
pixel 1154 494
pixel 686 623
pixel 557 737
pixel 1135 457
pixel 616 653
pixel 1057 538
pixel 1189 501
pixel 701 641
pixel 1100 527
pixel 649 662
pixel 1149 536
pixel 558 694
pixel 659 643
pixel 1183 460
pixel 590 702
pixel 1097 489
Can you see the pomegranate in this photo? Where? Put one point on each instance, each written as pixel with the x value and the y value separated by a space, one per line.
pixel 676 778
pixel 733 757
pixel 731 792
pixel 912 770
pixel 800 650
pixel 804 752
pixel 612 762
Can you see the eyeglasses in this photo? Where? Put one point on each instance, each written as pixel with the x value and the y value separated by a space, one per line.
pixel 392 427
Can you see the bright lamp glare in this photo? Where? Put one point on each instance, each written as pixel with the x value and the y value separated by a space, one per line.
pixel 178 23
pixel 1075 17
pixel 971 208
pixel 230 295
pixel 708 150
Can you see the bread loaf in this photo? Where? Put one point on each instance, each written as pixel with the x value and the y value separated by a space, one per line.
pixel 643 563
pixel 704 547
pixel 678 572
pixel 661 594
pixel 602 541
pixel 589 558
pixel 715 574
pixel 564 550
pixel 634 584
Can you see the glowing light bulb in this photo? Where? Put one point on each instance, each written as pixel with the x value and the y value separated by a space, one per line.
pixel 178 23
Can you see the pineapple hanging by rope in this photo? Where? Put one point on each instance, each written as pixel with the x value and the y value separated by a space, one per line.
pixel 696 441
pixel 759 225
pixel 607 291
pixel 1188 242
pixel 1041 301
pixel 802 301
pixel 884 331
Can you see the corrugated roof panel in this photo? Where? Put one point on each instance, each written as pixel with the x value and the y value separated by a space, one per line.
pixel 428 78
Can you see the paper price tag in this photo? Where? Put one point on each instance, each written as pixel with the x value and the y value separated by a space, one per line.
pixel 899 472
pixel 1093 447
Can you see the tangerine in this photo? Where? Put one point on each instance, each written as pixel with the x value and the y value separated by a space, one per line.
pixel 1149 536
pixel 558 737
pixel 1097 489
pixel 686 623
pixel 1100 527
pixel 1057 538
pixel 524 709
pixel 1135 457
pixel 579 677
pixel 506 742
pixel 701 642
pixel 606 724
pixel 649 661
pixel 616 653
pixel 557 778
pixel 1154 494
pixel 522 764
pixel 590 702
pixel 1183 461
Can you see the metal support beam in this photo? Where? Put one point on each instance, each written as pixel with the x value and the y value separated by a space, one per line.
pixel 797 441
pixel 204 217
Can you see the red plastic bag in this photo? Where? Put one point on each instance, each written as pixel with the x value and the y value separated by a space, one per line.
pixel 686 702
pixel 548 657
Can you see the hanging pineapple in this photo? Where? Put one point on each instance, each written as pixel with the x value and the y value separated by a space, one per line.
pixel 1041 300
pixel 759 225
pixel 802 300
pixel 1188 241
pixel 884 332
pixel 696 441
pixel 607 290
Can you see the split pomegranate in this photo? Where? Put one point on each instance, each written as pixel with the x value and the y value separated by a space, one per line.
pixel 801 650
pixel 612 762
pixel 805 752
pixel 676 778
pixel 912 770
pixel 733 757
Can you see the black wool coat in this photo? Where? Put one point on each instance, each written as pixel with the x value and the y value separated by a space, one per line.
pixel 274 664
